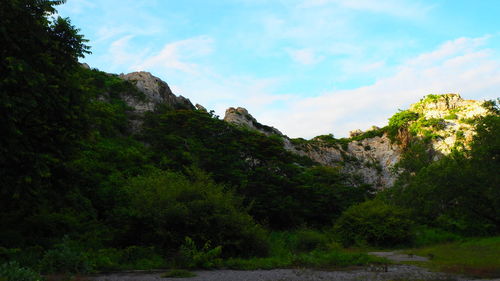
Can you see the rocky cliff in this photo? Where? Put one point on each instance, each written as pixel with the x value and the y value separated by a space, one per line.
pixel 156 92
pixel 443 121
pixel 240 117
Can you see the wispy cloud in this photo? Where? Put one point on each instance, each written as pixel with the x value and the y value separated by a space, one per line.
pixel 178 55
pixel 305 56
pixel 396 8
pixel 457 66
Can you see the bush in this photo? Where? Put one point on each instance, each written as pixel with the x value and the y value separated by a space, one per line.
pixel 165 207
pixel 399 123
pixel 12 271
pixel 374 223
pixel 308 240
pixel 66 257
pixel 206 257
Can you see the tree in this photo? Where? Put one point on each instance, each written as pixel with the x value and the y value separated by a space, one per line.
pixel 42 106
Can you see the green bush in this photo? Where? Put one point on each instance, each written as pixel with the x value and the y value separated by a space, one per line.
pixel 66 257
pixel 133 257
pixel 374 223
pixel 400 120
pixel 12 271
pixel 162 208
pixel 206 257
pixel 308 240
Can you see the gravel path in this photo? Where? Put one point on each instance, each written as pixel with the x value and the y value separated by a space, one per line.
pixel 394 272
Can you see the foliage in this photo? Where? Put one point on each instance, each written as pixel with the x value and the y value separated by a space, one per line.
pixel 133 257
pixel 67 257
pixel 427 127
pixel 308 240
pixel 451 116
pixel 377 132
pixel 374 223
pixel 162 208
pixel 42 106
pixel 425 236
pixel 206 257
pixel 12 271
pixel 283 190
pixel 400 122
pixel 492 106
pixel 459 192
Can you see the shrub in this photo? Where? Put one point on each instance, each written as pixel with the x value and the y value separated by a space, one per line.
pixel 66 257
pixel 12 271
pixel 374 223
pixel 400 120
pixel 165 207
pixel 308 240
pixel 206 257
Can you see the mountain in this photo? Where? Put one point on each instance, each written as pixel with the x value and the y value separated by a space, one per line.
pixel 445 121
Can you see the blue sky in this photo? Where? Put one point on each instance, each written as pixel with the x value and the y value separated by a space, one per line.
pixel 306 67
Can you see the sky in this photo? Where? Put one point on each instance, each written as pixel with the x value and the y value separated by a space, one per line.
pixel 305 67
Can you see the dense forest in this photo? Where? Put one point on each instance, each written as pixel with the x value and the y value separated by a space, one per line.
pixel 81 191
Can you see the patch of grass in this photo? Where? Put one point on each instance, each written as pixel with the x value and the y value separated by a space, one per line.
pixel 303 248
pixel 425 236
pixel 178 273
pixel 479 257
pixel 314 259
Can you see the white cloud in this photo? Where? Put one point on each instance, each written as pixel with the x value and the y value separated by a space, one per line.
pixel 457 66
pixel 397 8
pixel 305 56
pixel 178 55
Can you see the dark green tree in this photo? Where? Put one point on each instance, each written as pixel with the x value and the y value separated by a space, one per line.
pixel 42 106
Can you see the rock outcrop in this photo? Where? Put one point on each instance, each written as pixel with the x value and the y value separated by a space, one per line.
pixel 454 115
pixel 240 117
pixel 371 156
pixel 156 92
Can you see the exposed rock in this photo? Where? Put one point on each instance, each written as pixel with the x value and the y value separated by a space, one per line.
pixel 240 117
pixel 441 106
pixel 354 133
pixel 85 65
pixel 372 159
pixel 156 91
pixel 200 107
pixel 454 112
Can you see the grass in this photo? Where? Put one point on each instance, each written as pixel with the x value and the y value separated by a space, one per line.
pixel 479 257
pixel 303 248
pixel 178 273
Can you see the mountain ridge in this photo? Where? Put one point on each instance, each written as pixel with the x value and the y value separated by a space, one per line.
pixel 444 120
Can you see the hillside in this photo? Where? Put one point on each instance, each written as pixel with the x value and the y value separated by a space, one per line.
pixel 102 172
pixel 444 121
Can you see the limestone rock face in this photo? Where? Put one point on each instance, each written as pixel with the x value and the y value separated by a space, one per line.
pixel 441 106
pixel 372 159
pixel 454 112
pixel 239 116
pixel 156 91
